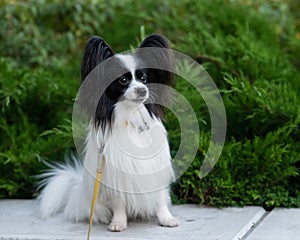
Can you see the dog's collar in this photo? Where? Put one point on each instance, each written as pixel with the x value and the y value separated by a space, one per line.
pixel 141 128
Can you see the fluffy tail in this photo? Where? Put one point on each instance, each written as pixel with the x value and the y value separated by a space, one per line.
pixel 63 191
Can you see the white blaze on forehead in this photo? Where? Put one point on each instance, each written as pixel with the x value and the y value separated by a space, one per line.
pixel 129 62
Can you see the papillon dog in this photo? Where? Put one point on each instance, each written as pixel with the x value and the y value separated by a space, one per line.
pixel 123 95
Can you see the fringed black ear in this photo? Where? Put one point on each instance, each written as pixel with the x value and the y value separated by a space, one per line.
pixel 163 60
pixel 155 40
pixel 92 97
pixel 159 64
pixel 96 51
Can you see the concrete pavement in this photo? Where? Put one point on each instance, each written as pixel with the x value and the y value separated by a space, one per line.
pixel 19 219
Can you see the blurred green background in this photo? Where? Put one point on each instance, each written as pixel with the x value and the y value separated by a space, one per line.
pixel 250 48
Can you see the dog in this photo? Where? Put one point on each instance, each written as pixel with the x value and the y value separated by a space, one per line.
pixel 126 127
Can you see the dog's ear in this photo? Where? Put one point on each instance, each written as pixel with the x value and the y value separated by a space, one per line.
pixel 161 60
pixel 96 51
pixel 159 65
pixel 155 40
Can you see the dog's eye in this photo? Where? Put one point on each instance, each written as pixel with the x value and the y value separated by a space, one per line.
pixel 144 79
pixel 124 81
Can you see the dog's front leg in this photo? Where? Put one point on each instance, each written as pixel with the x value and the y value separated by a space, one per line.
pixel 119 220
pixel 165 218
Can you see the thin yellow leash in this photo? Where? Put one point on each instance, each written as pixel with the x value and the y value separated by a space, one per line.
pixel 95 193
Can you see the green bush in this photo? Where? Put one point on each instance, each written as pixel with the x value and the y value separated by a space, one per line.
pixel 31 101
pixel 250 48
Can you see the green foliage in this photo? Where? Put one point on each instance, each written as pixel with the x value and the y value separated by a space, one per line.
pixel 30 103
pixel 250 49
pixel 47 33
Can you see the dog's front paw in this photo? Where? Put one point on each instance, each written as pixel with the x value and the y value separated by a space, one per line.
pixel 169 222
pixel 116 227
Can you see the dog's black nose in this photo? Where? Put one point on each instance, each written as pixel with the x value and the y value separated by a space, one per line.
pixel 141 92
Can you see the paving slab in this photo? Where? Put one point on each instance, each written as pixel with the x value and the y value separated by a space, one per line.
pixel 280 224
pixel 19 219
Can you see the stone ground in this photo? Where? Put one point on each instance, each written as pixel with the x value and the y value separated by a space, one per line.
pixel 19 219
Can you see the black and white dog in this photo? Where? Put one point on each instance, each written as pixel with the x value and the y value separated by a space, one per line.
pixel 126 120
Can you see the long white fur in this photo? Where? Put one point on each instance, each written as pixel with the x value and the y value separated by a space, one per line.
pixel 136 176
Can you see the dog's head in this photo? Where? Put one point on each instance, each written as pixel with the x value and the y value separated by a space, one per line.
pixel 132 77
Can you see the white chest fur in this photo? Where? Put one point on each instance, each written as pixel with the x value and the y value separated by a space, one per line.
pixel 137 152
